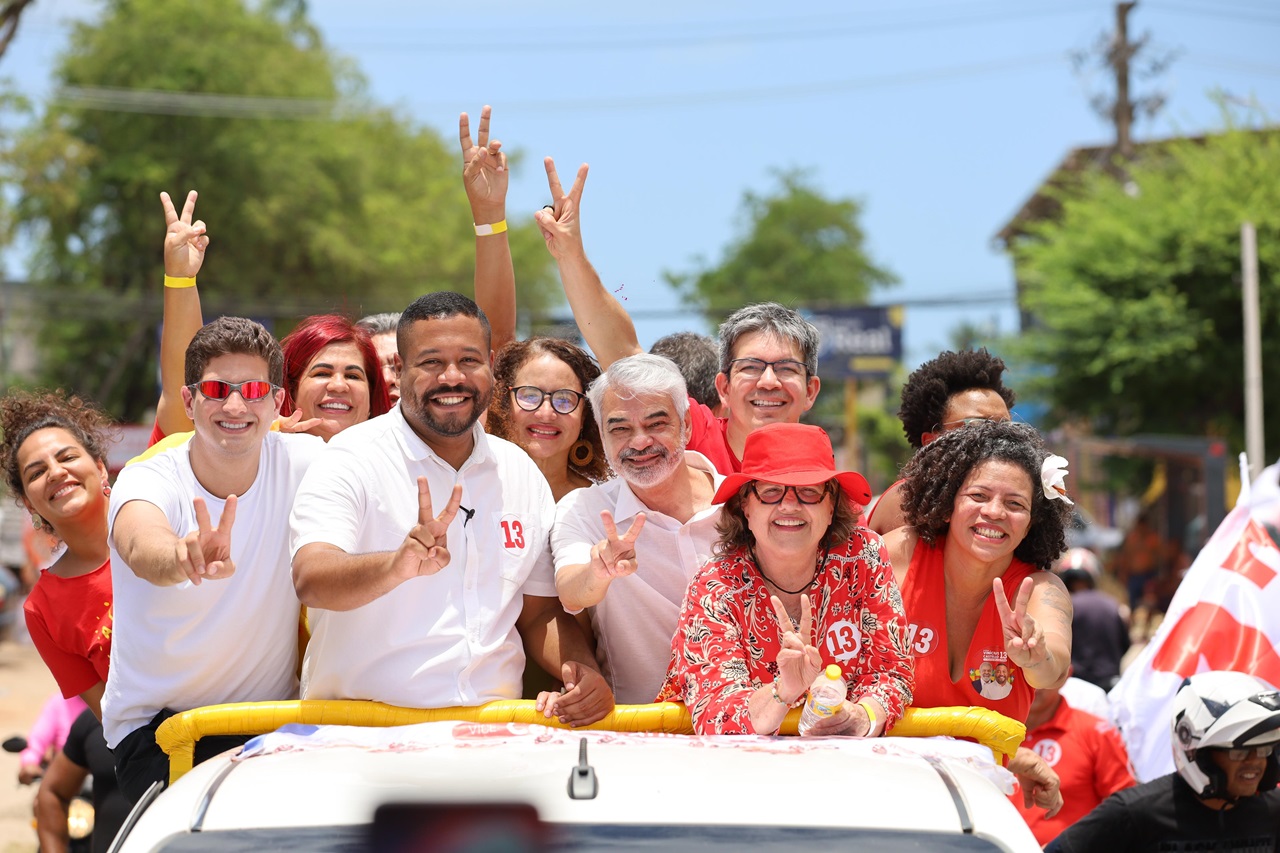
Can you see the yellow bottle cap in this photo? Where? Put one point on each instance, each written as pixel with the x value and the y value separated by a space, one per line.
pixel 834 672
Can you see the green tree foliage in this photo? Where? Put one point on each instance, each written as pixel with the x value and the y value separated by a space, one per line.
pixel 1137 291
pixel 797 246
pixel 319 201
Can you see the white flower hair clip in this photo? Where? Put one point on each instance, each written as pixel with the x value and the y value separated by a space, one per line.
pixel 1053 477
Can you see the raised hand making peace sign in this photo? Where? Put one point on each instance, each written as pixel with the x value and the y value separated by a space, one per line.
pixel 1023 636
pixel 425 550
pixel 615 556
pixel 184 241
pixel 205 553
pixel 484 170
pixel 799 661
pixel 562 225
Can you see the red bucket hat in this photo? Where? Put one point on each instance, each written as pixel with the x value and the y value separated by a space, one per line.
pixel 792 455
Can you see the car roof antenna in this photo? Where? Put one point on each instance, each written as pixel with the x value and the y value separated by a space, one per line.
pixel 582 779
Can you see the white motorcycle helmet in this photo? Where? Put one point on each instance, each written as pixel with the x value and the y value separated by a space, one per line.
pixel 1079 559
pixel 1223 710
pixel 1078 567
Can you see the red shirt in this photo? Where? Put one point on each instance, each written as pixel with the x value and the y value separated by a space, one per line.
pixel 70 622
pixel 727 640
pixel 1090 759
pixel 924 599
pixel 711 438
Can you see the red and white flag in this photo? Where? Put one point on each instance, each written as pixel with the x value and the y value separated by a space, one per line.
pixel 1224 616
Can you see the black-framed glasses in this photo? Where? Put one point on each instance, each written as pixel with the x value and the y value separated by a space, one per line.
pixel 1256 751
pixel 563 400
pixel 251 391
pixel 754 368
pixel 774 493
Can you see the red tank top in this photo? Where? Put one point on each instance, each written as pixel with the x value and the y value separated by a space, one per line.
pixel 990 679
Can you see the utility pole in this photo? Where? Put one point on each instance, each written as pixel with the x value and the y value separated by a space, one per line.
pixel 1253 436
pixel 1120 54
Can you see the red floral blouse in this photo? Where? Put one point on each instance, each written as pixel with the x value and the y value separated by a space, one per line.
pixel 728 637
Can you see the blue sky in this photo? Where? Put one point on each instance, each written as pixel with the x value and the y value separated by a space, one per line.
pixel 941 117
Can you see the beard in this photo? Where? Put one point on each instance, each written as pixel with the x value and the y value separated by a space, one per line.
pixel 452 424
pixel 648 475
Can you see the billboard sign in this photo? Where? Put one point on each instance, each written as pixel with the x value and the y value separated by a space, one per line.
pixel 859 343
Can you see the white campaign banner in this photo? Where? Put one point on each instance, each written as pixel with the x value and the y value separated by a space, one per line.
pixel 1224 616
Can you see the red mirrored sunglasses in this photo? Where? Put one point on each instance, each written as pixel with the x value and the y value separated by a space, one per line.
pixel 250 391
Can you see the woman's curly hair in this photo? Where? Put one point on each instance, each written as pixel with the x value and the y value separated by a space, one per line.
pixel 735 533
pixel 932 384
pixel 515 355
pixel 937 471
pixel 23 413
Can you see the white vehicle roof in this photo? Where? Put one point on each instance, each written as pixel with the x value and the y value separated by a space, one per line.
pixel 332 777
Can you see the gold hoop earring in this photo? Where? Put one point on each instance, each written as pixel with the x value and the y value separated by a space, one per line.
pixel 582 454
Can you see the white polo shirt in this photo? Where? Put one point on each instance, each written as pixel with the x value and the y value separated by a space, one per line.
pixel 636 619
pixel 450 638
pixel 230 640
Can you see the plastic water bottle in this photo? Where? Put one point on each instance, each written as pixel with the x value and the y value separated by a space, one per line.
pixel 825 698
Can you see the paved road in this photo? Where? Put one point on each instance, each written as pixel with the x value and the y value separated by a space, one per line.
pixel 24 685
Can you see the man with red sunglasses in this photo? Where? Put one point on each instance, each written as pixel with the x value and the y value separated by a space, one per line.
pixel 205 611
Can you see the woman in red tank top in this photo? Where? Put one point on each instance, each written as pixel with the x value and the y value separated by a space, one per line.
pixel 986 516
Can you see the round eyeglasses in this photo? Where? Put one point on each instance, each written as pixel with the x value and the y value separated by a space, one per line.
pixel 563 400
pixel 773 493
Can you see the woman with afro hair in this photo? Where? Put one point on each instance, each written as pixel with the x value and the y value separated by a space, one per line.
pixel 986 512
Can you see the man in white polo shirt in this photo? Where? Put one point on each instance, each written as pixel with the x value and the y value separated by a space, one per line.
pixel 204 607
pixel 420 544
pixel 626 549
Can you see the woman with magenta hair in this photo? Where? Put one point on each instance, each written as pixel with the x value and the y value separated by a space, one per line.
pixel 332 376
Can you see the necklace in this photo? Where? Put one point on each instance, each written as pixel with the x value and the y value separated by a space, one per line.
pixel 822 559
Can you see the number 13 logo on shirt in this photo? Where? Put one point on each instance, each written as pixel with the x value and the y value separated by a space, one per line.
pixel 512 533
pixel 844 640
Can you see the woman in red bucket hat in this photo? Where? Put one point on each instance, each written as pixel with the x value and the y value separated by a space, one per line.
pixel 795 586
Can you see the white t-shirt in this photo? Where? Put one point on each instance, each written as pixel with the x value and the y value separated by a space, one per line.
pixel 635 620
pixel 232 640
pixel 449 638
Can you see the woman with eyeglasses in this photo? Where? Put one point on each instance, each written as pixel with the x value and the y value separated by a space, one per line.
pixel 539 402
pixel 55 461
pixel 794 587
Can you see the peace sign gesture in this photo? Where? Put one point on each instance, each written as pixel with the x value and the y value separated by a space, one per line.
pixel 184 240
pixel 562 226
pixel 484 170
pixel 1023 636
pixel 799 661
pixel 615 556
pixel 205 553
pixel 425 550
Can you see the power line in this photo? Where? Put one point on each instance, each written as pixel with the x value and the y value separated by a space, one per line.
pixel 1218 13
pixel 155 102
pixel 1234 64
pixel 771 32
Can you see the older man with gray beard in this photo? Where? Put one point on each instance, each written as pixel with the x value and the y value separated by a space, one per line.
pixel 631 583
